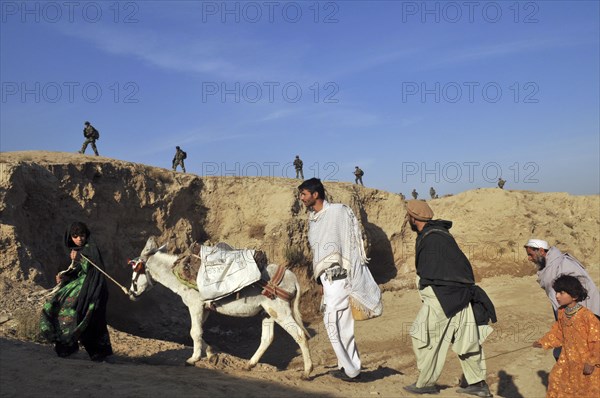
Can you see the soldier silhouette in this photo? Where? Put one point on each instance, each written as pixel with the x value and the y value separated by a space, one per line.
pixel 432 193
pixel 178 159
pixel 298 166
pixel 91 135
pixel 358 175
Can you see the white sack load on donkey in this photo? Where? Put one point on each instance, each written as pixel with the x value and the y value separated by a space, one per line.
pixel 276 291
pixel 219 271
pixel 224 271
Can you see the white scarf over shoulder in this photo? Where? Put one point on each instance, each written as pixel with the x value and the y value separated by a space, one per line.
pixel 335 237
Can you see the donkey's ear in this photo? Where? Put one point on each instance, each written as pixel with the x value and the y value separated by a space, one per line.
pixel 224 246
pixel 150 247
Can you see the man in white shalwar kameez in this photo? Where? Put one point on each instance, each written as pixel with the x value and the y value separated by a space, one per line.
pixel 339 265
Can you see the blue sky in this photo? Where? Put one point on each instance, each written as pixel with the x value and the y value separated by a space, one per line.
pixel 418 94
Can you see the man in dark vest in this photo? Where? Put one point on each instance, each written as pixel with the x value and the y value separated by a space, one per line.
pixel 447 288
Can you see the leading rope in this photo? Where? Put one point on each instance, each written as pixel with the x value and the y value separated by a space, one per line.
pixel 50 292
pixel 105 274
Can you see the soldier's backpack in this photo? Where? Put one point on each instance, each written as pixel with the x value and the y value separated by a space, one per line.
pixel 360 172
pixel 183 155
pixel 94 134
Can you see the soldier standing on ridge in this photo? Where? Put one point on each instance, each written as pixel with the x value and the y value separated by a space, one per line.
pixel 358 174
pixel 178 159
pixel 432 193
pixel 91 135
pixel 501 183
pixel 414 193
pixel 298 166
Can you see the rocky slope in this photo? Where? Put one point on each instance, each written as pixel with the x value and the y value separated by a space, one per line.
pixel 125 203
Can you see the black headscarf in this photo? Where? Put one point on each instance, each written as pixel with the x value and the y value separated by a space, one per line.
pixel 94 289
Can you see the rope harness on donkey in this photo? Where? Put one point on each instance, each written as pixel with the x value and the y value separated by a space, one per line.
pixel 271 288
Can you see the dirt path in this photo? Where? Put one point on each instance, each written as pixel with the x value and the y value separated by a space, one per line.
pixel 153 368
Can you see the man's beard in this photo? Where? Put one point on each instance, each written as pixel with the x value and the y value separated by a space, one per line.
pixel 310 204
pixel 540 262
pixel 413 226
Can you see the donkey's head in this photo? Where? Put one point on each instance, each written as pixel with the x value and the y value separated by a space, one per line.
pixel 141 280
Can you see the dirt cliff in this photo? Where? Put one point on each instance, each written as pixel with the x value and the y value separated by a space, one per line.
pixel 125 203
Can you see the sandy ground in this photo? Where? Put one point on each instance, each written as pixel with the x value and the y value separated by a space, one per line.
pixel 153 368
pixel 125 203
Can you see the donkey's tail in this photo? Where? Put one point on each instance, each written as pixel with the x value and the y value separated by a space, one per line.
pixel 296 308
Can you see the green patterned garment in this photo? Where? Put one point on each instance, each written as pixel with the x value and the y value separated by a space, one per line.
pixel 59 316
pixel 77 312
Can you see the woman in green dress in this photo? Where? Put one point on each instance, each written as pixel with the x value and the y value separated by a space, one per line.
pixel 77 312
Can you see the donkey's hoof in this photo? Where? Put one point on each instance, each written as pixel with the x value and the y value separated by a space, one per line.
pixel 306 373
pixel 190 362
pixel 213 359
pixel 249 366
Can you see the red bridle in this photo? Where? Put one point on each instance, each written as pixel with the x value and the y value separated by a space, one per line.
pixel 138 265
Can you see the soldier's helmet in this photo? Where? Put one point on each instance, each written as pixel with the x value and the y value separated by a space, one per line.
pixel 176 147
pixel 86 123
pixel 297 156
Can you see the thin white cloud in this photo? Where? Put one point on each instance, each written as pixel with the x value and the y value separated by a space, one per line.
pixel 409 121
pixel 360 63
pixel 159 50
pixel 243 58
pixel 277 115
pixel 347 117
pixel 472 54
pixel 188 138
pixel 371 59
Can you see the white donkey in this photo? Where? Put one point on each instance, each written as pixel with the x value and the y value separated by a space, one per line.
pixel 154 265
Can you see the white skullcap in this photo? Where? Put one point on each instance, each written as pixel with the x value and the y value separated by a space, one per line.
pixel 537 244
